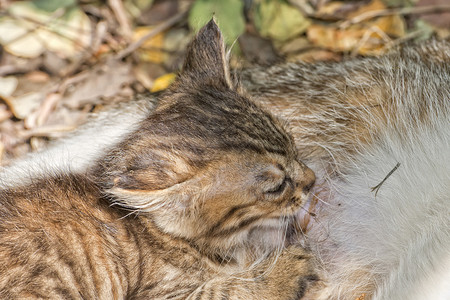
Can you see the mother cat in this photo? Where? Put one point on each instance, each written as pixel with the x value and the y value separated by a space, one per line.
pixel 376 132
pixel 197 202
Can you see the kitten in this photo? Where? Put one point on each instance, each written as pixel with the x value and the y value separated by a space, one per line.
pixel 198 202
pixel 376 131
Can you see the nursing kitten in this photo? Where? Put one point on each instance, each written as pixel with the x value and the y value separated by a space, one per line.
pixel 198 202
pixel 376 131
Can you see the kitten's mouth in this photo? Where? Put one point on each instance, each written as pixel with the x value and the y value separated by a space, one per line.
pixel 282 231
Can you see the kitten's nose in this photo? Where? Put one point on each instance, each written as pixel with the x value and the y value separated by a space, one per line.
pixel 307 179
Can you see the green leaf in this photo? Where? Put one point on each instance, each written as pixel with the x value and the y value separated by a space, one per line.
pixel 399 3
pixel 52 5
pixel 228 14
pixel 426 30
pixel 278 20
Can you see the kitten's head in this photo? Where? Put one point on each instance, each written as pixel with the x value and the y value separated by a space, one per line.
pixel 208 164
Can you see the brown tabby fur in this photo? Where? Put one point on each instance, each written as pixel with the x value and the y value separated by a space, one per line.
pixel 197 203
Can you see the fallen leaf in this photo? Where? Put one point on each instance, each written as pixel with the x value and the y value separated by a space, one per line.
pixel 8 85
pixel 69 35
pixel 105 80
pixel 143 77
pixel 366 38
pixel 18 38
pixel 24 105
pixel 392 25
pixel 295 45
pixel 31 30
pixel 370 6
pixel 52 5
pixel 161 83
pixel 151 49
pixel 37 76
pixel 315 55
pixel 278 20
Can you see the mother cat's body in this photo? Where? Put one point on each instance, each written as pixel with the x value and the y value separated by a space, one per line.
pixel 376 131
pixel 356 123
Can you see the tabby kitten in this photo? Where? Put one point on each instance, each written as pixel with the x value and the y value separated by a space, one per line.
pixel 196 203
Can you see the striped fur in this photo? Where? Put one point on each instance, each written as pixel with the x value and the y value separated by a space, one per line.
pixel 353 122
pixel 199 202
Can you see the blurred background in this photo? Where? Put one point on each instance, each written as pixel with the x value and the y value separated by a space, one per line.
pixel 62 59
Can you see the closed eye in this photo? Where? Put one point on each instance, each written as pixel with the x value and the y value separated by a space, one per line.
pixel 279 188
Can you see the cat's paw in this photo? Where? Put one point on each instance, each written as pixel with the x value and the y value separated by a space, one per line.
pixel 292 274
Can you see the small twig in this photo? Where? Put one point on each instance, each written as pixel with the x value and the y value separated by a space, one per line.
pixel 396 11
pixel 47 131
pixel 409 36
pixel 377 187
pixel 119 11
pixel 367 35
pixel 158 29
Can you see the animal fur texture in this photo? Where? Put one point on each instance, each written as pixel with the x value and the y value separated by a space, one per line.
pixel 198 201
pixel 354 123
pixel 376 132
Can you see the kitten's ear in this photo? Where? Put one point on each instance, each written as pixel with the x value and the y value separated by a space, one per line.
pixel 176 197
pixel 153 187
pixel 206 56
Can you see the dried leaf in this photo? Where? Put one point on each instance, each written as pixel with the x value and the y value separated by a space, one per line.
pixel 295 45
pixel 371 6
pixel 392 25
pixel 8 85
pixel 37 76
pixel 104 80
pixel 18 39
pixel 69 35
pixel 163 82
pixel 142 76
pixel 315 56
pixel 24 105
pixel 366 38
pixel 31 30
pixel 151 50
